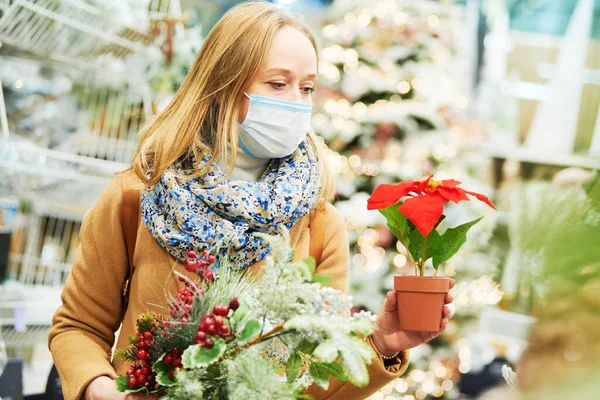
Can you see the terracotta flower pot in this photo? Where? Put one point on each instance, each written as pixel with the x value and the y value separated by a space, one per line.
pixel 420 302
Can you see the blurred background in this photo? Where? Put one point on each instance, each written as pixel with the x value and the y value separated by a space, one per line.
pixel 503 95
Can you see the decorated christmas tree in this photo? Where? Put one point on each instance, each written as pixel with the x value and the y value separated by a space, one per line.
pixel 390 109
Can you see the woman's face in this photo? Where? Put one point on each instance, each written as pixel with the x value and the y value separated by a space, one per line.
pixel 289 73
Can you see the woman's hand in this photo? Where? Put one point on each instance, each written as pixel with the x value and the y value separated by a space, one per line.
pixel 103 388
pixel 387 336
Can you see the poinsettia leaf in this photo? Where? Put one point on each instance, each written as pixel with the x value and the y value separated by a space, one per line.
pixel 121 386
pixel 397 223
pixel 322 279
pixel 163 379
pixel 442 247
pixel 241 312
pixel 292 367
pixel 310 263
pixel 419 244
pixel 251 329
pixel 203 357
pixel 320 374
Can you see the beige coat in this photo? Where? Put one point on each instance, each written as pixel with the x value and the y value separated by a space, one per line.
pixel 84 327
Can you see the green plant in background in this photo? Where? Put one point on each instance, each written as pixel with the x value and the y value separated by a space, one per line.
pixel 560 229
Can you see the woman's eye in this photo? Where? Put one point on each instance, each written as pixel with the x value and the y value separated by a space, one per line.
pixel 277 85
pixel 308 90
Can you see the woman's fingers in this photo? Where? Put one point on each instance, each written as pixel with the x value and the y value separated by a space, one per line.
pixel 389 304
pixel 449 298
pixel 452 283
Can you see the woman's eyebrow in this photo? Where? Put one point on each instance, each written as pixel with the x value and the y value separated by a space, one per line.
pixel 288 72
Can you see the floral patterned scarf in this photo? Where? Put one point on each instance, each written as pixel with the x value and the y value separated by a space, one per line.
pixel 224 218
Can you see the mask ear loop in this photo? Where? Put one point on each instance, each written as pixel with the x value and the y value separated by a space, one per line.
pixel 248 96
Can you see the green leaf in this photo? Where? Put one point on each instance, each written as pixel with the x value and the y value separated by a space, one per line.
pixel 163 379
pixel 292 368
pixel 445 246
pixel 121 386
pixel 320 374
pixel 307 347
pixel 241 312
pixel 159 365
pixel 310 263
pixel 188 356
pixel 336 371
pixel 121 383
pixel 321 279
pixel 397 223
pixel 202 356
pixel 251 329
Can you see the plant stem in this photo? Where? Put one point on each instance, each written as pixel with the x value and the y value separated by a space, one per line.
pixel 436 271
pixel 258 339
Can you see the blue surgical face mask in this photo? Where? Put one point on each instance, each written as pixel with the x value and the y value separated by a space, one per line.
pixel 273 128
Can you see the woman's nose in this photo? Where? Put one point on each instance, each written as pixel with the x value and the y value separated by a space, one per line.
pixel 294 94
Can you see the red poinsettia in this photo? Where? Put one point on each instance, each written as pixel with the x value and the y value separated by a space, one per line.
pixel 427 198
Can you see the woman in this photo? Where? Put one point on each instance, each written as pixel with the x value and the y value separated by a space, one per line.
pixel 245 103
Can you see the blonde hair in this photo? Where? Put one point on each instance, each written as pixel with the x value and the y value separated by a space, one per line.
pixel 203 115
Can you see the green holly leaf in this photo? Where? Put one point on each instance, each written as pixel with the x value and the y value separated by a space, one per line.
pixel 310 263
pixel 397 223
pixel 121 386
pixel 161 369
pixel 121 383
pixel 241 312
pixel 320 374
pixel 446 245
pixel 163 379
pixel 188 356
pixel 321 279
pixel 251 329
pixel 201 356
pixel 292 368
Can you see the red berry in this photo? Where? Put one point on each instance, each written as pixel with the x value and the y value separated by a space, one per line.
pixel 219 322
pixel 147 335
pixel 204 253
pixel 176 352
pixel 190 267
pixel 211 259
pixel 171 374
pixel 177 362
pixel 209 344
pixel 211 330
pixel 181 279
pixel 130 371
pixel 224 330
pixel 141 379
pixel 165 324
pixel 192 254
pixel 209 275
pixel 200 336
pixel 147 370
pixel 168 359
pixel 139 373
pixel 142 354
pixel 132 383
pixel 234 304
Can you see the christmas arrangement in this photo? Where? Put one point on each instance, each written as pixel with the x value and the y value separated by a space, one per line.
pixel 413 210
pixel 231 335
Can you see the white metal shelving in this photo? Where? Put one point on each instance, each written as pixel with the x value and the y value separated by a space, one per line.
pixel 60 181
